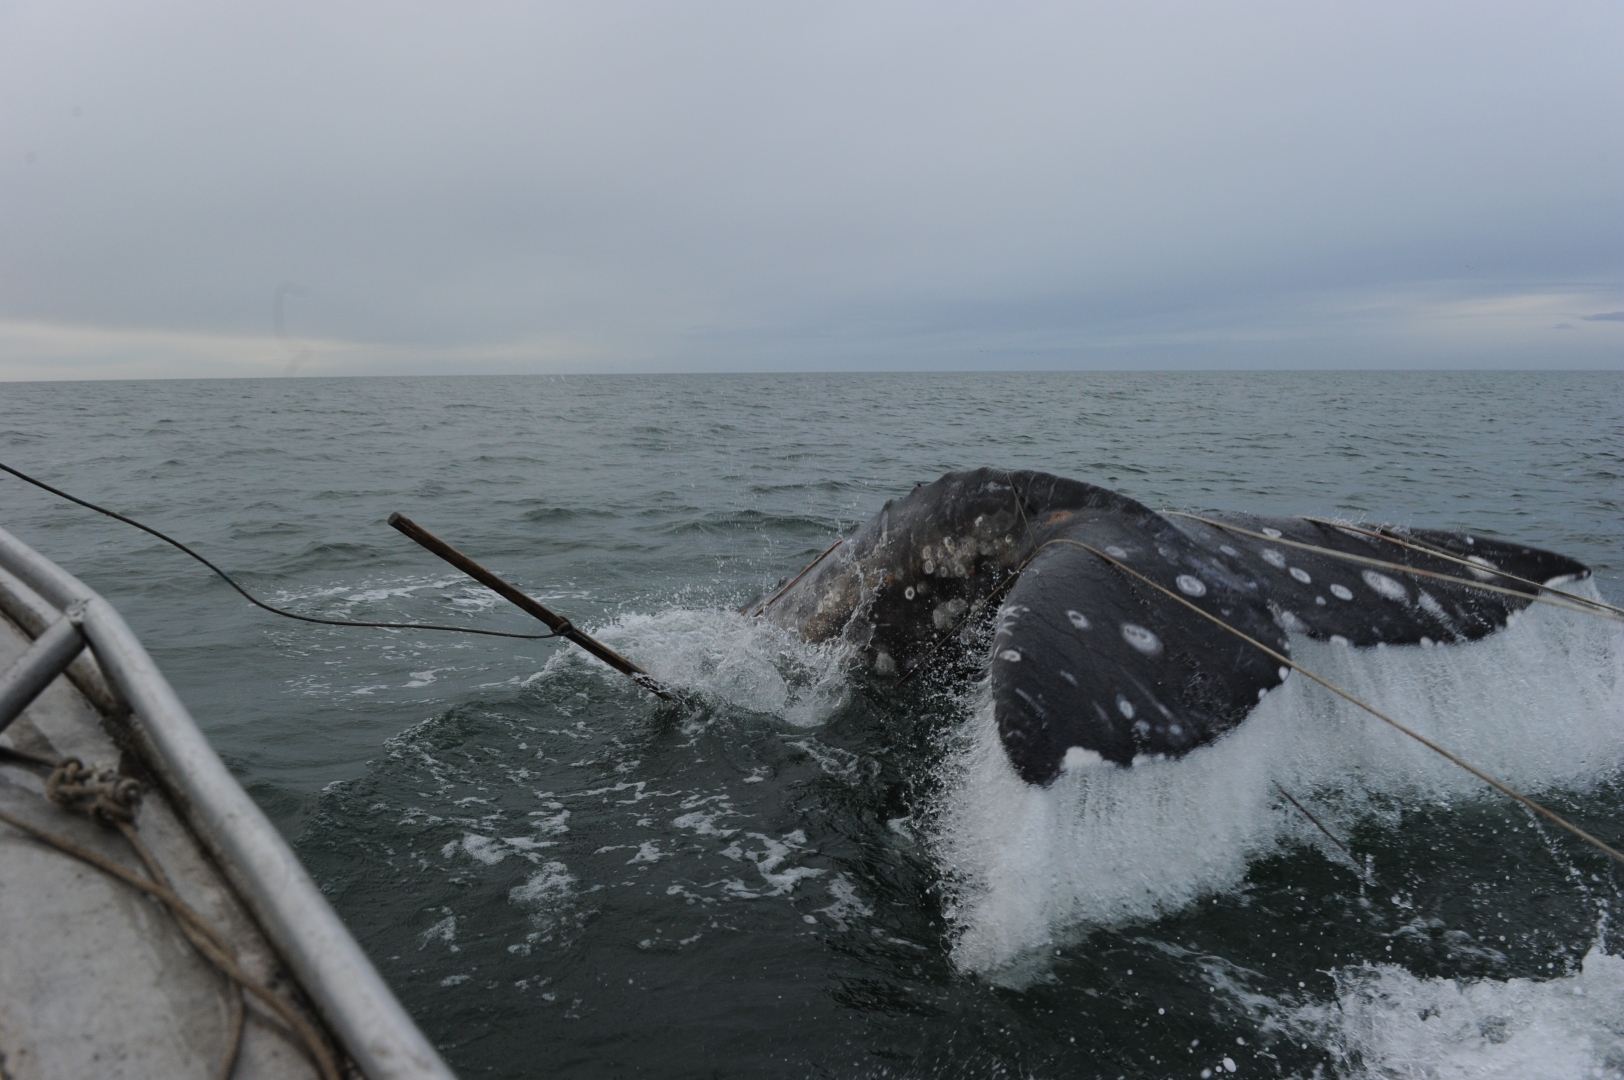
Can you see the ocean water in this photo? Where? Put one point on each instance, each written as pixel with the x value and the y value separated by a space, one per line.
pixel 789 872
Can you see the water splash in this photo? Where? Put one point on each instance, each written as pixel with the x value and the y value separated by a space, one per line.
pixel 749 664
pixel 1541 705
pixel 1387 1023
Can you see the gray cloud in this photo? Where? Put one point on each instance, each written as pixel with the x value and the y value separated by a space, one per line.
pixel 736 184
pixel 1609 316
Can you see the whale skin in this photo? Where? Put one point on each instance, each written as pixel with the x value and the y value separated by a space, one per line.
pixel 1088 664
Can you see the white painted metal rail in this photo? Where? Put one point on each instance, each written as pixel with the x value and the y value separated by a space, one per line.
pixel 352 998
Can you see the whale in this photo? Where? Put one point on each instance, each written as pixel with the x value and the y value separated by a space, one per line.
pixel 1110 633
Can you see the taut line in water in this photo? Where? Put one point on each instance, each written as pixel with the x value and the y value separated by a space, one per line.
pixel 1364 871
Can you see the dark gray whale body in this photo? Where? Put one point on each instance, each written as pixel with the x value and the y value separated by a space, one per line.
pixel 1087 661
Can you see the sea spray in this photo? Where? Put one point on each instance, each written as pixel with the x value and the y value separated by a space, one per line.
pixel 1388 1024
pixel 1540 705
pixel 748 663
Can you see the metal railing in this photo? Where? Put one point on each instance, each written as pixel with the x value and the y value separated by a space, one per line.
pixel 63 615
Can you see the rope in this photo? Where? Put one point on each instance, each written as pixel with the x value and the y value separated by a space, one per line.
pixel 788 584
pixel 111 800
pixel 1020 505
pixel 1364 871
pixel 105 798
pixel 1428 549
pixel 1371 709
pixel 250 597
pixel 1474 770
pixel 204 939
pixel 1366 560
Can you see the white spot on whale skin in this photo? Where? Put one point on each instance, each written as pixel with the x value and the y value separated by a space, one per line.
pixel 884 665
pixel 1012 655
pixel 1227 550
pixel 1283 673
pixel 1069 677
pixel 1141 639
pixel 1116 552
pixel 1341 592
pixel 908 592
pixel 1480 575
pixel 1275 533
pixel 1191 586
pixel 1079 758
pixel 1290 621
pixel 1125 707
pixel 1385 586
pixel 1078 619
pixel 1433 608
pixel 1262 693
pixel 1319 600
pixel 1338 639
pixel 930 567
pixel 1426 642
pixel 1175 729
pixel 1301 575
pixel 1274 558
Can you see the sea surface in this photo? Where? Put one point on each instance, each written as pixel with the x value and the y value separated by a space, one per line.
pixel 790 873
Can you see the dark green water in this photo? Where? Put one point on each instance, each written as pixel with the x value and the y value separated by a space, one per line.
pixel 792 874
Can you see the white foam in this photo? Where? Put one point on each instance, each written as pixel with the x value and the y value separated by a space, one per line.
pixel 750 663
pixel 1539 705
pixel 550 896
pixel 1387 1023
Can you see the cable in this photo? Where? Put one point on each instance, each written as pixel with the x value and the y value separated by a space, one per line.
pixel 250 597
pixel 1371 709
pixel 1381 533
pixel 1364 871
pixel 791 582
pixel 1585 607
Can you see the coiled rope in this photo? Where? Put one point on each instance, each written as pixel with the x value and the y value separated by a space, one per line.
pixel 250 597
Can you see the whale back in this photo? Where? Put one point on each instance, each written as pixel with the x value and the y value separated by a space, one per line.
pixel 912 573
pixel 1090 661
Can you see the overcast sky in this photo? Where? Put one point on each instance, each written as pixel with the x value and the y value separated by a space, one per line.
pixel 274 189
